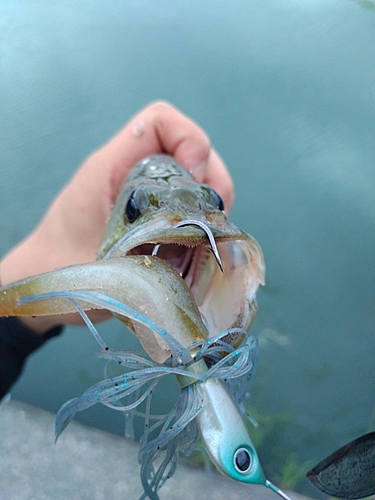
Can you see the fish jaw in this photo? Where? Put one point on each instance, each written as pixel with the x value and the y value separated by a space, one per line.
pixel 160 228
pixel 226 300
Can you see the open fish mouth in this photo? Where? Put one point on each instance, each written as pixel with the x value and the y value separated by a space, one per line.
pixel 210 237
pixel 222 265
pixel 186 258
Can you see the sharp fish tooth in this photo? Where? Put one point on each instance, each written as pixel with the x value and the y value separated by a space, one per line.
pixel 209 234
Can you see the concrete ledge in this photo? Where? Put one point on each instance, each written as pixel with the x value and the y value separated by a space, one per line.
pixel 88 464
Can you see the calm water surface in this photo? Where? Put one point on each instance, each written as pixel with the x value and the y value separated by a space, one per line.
pixel 286 91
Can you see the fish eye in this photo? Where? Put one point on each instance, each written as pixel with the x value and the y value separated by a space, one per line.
pixel 242 460
pixel 219 201
pixel 132 209
pixel 220 204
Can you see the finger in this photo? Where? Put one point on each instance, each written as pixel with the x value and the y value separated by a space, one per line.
pixel 161 128
pixel 217 176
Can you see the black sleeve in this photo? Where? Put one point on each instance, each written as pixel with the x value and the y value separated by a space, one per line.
pixel 17 341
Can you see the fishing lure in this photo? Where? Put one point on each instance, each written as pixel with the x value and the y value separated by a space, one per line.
pixel 204 398
pixel 207 368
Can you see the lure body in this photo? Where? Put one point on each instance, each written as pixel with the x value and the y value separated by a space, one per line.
pixel 146 284
pixel 226 438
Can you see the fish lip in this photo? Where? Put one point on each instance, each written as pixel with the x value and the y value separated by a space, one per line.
pixel 164 232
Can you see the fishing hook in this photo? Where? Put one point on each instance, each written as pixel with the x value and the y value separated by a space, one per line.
pixel 210 236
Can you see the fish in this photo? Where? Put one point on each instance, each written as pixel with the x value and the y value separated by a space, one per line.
pixel 184 280
pixel 349 472
pixel 163 211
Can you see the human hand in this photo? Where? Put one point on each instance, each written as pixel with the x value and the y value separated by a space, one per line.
pixel 74 225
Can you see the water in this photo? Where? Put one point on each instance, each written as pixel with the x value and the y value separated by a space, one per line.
pixel 286 92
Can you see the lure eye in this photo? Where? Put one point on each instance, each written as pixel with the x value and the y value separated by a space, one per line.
pixel 132 209
pixel 242 460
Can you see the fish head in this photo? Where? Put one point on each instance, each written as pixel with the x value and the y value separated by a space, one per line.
pixel 158 194
pixel 162 209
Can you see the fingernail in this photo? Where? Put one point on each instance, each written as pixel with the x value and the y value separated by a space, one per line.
pixel 198 171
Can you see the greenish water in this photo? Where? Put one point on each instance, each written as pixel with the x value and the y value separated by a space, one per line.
pixel 286 91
